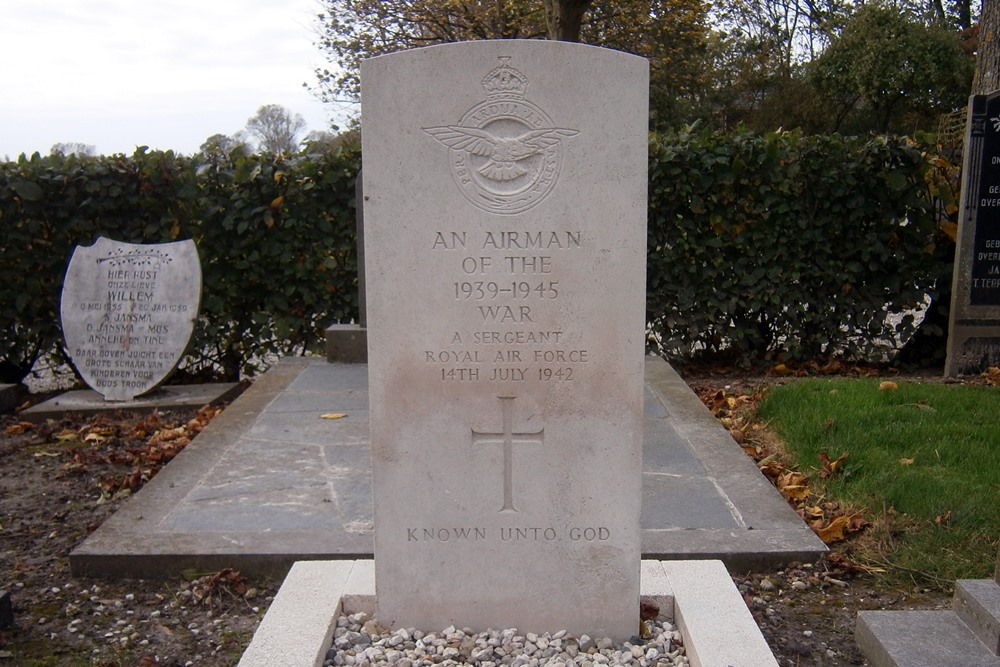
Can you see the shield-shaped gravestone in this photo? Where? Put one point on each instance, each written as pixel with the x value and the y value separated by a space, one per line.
pixel 128 311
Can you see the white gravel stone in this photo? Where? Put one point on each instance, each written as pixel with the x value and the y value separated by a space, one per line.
pixel 361 642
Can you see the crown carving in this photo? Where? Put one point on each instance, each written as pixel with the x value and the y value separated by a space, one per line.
pixel 505 82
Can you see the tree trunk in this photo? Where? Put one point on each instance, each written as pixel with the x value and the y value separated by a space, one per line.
pixel 988 59
pixel 563 18
pixel 964 13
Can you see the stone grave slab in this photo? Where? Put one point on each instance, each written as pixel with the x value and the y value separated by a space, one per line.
pixel 505 230
pixel 974 332
pixel 128 311
pixel 90 402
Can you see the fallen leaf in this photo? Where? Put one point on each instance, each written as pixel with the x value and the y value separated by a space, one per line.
pixel 19 428
pixel 833 531
pixel 942 519
pixel 906 461
pixel 888 385
pixel 168 435
pixel 67 435
pixel 839 527
pixel 814 512
pixel 53 455
pixel 795 492
pixel 793 478
pixel 332 415
pixel 831 468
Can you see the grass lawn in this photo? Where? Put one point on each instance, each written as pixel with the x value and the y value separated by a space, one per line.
pixel 924 460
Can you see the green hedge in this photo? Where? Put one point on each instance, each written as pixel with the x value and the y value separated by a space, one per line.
pixel 789 247
pixel 759 246
pixel 276 238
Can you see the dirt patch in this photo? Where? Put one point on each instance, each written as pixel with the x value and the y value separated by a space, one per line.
pixel 807 612
pixel 58 482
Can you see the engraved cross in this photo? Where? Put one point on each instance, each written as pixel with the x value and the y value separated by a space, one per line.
pixel 508 438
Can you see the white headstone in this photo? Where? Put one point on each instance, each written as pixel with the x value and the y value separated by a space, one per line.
pixel 128 311
pixel 505 213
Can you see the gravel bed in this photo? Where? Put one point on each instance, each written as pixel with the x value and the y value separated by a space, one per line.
pixel 361 642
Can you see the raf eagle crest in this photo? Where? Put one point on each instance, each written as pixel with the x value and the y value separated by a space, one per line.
pixel 505 153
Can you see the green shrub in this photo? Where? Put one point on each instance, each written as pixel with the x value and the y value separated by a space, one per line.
pixel 784 245
pixel 275 236
pixel 759 246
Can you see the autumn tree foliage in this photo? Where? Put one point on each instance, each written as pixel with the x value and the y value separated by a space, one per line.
pixel 671 33
pixel 892 68
pixel 353 30
pixel 818 65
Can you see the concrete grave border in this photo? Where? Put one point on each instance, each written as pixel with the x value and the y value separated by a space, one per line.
pixel 699 597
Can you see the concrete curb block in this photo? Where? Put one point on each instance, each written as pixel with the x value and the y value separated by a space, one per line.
pixel 977 603
pixel 298 627
pixel 654 588
pixel 717 627
pixel 920 638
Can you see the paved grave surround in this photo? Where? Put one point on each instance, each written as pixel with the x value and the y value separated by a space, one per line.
pixel 270 482
pixel 505 232
pixel 974 331
pixel 128 311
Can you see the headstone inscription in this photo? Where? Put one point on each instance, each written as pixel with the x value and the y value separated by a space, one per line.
pixel 505 212
pixel 128 311
pixel 974 336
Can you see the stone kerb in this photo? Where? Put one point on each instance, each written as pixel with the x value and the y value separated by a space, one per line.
pixel 128 311
pixel 505 210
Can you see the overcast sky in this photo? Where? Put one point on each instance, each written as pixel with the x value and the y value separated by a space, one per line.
pixel 168 74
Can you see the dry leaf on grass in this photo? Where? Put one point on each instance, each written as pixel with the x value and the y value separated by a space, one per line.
pixel 830 468
pixel 839 527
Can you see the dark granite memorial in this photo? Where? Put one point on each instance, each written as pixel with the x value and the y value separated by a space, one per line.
pixel 974 339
